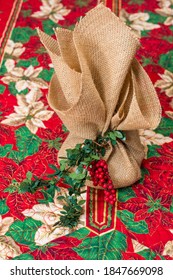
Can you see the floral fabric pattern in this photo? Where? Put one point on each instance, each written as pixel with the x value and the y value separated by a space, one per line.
pixel 140 224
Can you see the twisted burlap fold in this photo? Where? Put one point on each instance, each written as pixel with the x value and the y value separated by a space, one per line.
pixel 99 85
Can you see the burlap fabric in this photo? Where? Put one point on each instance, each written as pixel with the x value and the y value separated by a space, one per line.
pixel 99 85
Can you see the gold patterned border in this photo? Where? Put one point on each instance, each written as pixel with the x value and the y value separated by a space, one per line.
pixel 17 4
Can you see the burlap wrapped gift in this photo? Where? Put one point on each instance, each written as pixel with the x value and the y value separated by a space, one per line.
pixel 99 85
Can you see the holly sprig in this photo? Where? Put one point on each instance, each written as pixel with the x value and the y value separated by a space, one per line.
pixel 73 170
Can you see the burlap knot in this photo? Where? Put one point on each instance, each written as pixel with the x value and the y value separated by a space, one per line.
pixel 99 85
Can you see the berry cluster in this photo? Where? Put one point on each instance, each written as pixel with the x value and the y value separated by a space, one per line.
pixel 100 177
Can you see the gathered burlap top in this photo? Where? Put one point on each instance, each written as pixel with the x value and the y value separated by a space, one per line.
pixel 99 85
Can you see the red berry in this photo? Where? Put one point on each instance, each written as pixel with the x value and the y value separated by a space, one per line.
pixel 110 187
pixel 106 192
pixel 100 169
pixel 102 181
pixel 102 163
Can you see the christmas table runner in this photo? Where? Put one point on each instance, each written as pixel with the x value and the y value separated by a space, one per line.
pixel 139 225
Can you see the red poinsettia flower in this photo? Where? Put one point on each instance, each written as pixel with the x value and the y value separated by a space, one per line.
pixel 150 204
pixel 161 168
pixel 158 47
pixel 59 249
pixel 139 6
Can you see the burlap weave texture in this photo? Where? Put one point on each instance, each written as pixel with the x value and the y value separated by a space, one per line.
pixel 99 85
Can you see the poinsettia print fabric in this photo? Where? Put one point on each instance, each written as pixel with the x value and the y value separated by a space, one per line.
pixel 140 224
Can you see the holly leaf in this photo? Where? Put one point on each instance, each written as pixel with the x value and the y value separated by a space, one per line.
pixel 81 202
pixel 80 234
pixel 27 144
pixel 165 127
pixel 119 135
pixel 22 34
pixel 125 194
pixel 128 219
pixel 105 247
pixel 24 257
pixel 76 176
pixel 2 89
pixel 63 164
pixel 3 207
pixel 147 254
pixel 24 232
pixel 4 150
pixel 166 60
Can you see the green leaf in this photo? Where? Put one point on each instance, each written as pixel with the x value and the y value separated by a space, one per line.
pixel 165 127
pixel 168 38
pixel 63 164
pixel 29 175
pixel 147 254
pixel 61 197
pixel 152 151
pixel 81 202
pixel 4 150
pixel 3 69
pixel 24 257
pixel 112 135
pixel 23 232
pixel 171 208
pixel 128 219
pixel 103 247
pixel 80 234
pixel 26 63
pixel 156 18
pixel 64 128
pixel 125 194
pixel 26 13
pixel 22 34
pixel 81 3
pixel 46 74
pixel 79 208
pixel 14 91
pixel 146 60
pixel 119 134
pixel 49 194
pixel 2 89
pixel 63 212
pixel 77 176
pixel 54 167
pixel 94 157
pixel 166 61
pixel 139 2
pixel 27 144
pixel 54 143
pixel 49 25
pixel 3 207
pixel 41 50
